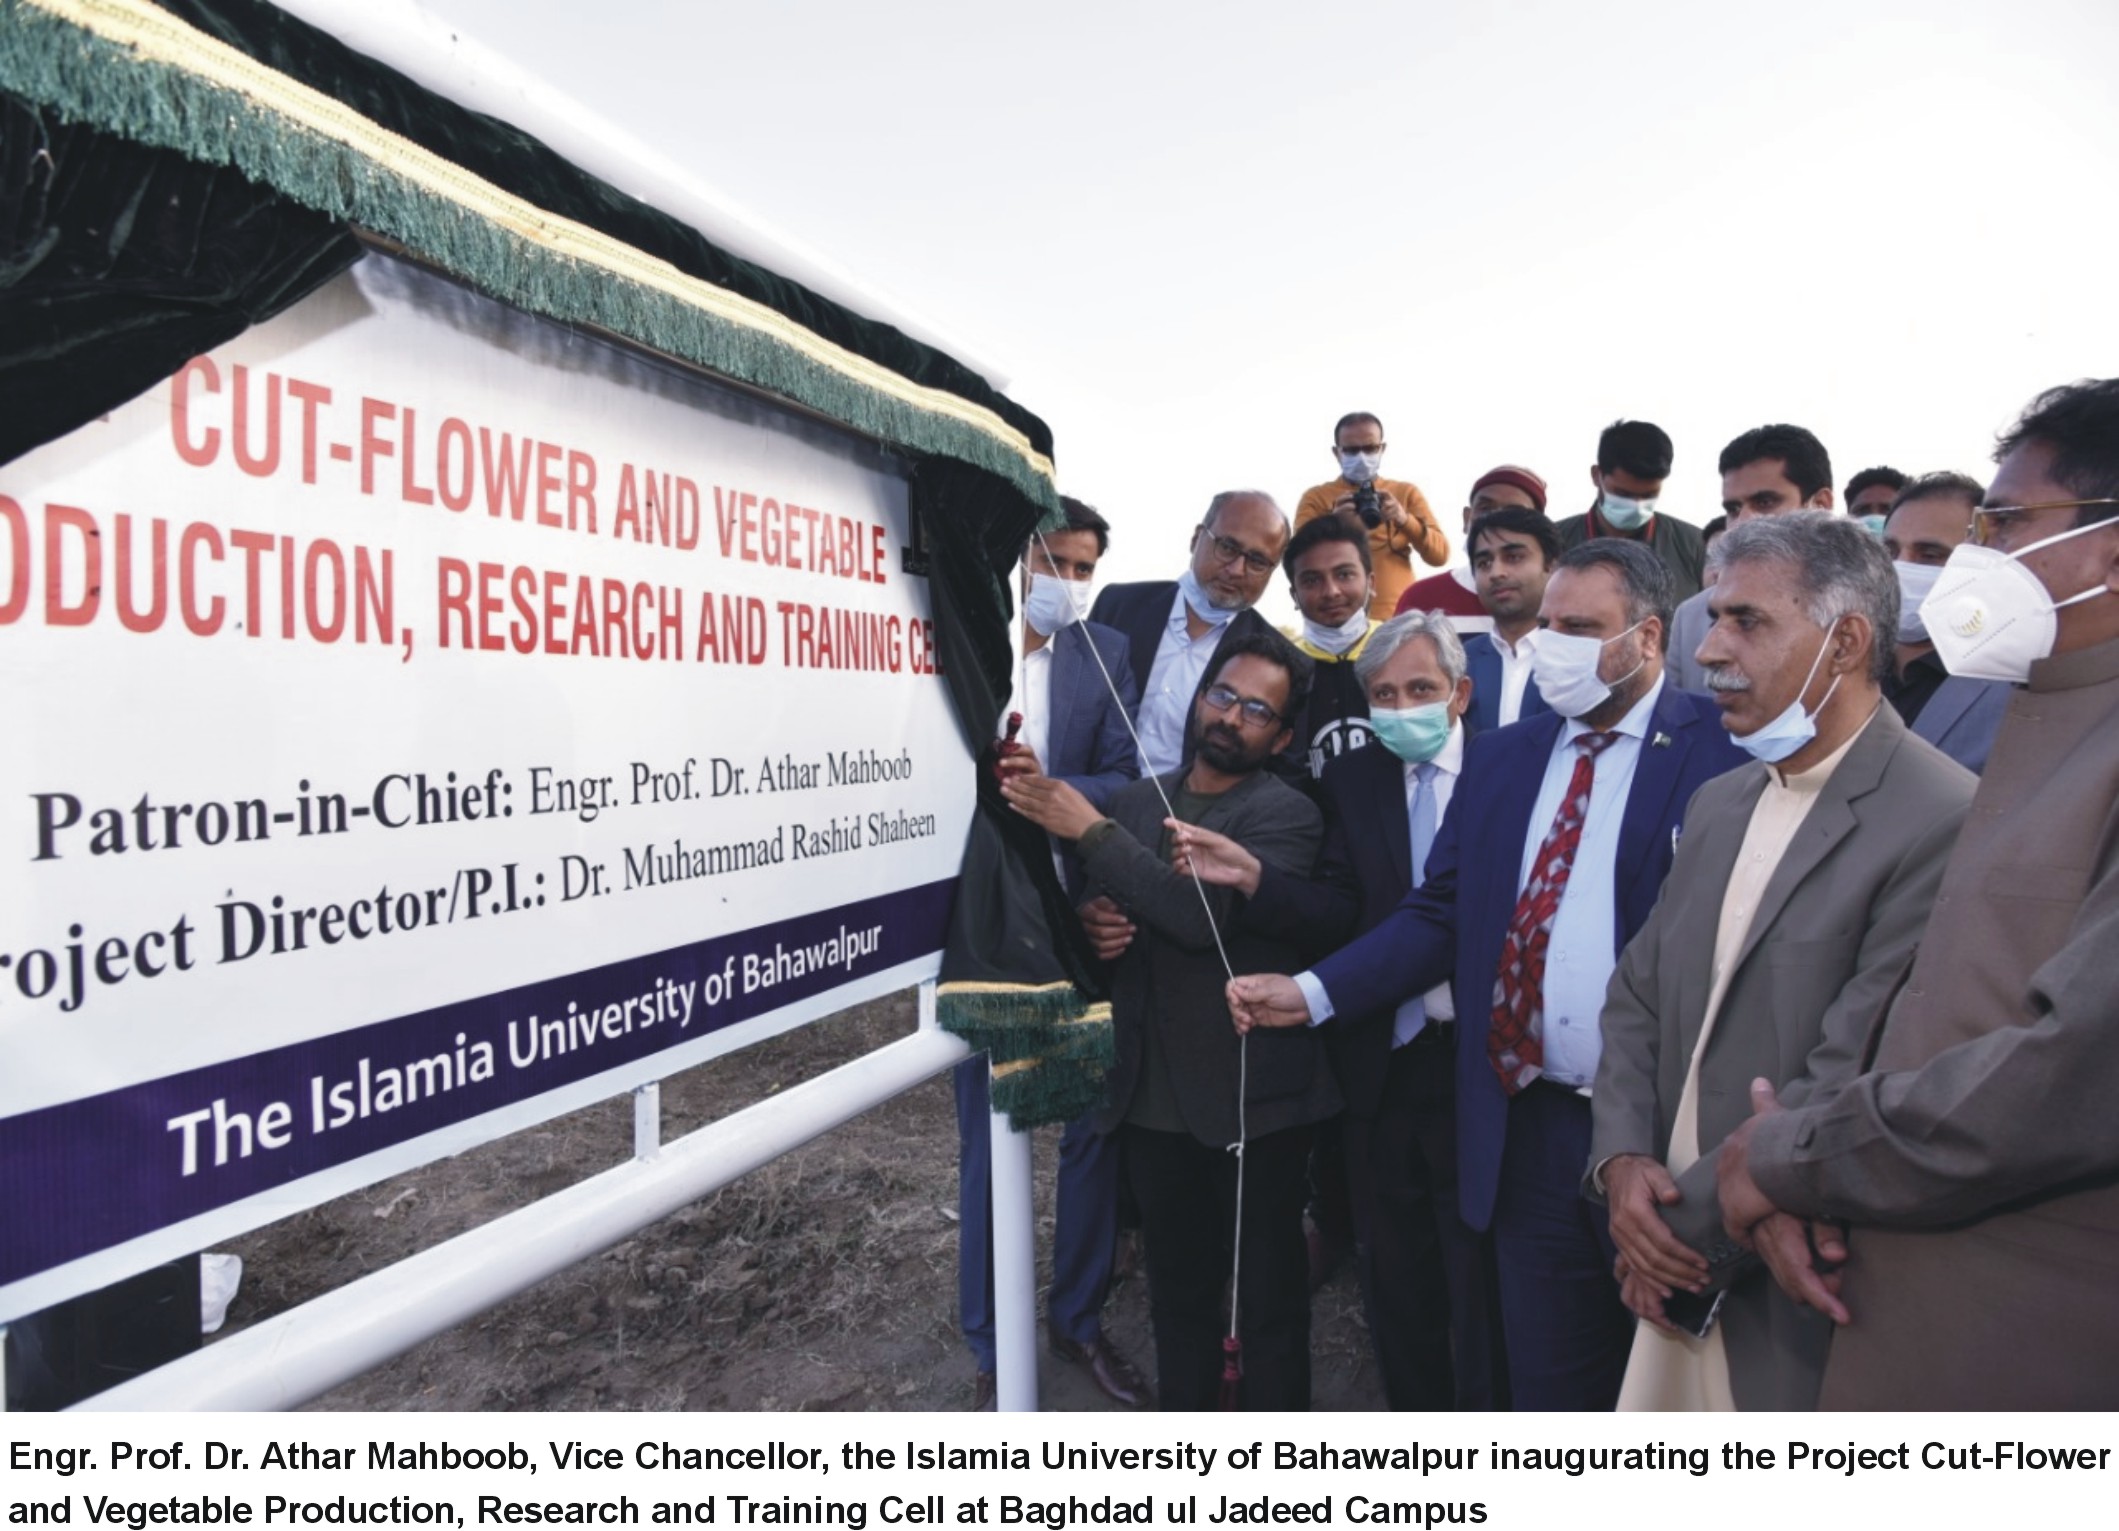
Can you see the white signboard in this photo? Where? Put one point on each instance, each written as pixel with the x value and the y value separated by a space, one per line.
pixel 422 720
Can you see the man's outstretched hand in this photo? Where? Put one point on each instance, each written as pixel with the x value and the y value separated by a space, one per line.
pixel 1211 857
pixel 1266 999
pixel 1051 805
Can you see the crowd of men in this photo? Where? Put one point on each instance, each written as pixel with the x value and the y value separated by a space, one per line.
pixel 1678 959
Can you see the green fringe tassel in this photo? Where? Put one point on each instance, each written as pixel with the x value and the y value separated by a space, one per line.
pixel 85 78
pixel 1048 1092
pixel 1051 1048
pixel 1011 1021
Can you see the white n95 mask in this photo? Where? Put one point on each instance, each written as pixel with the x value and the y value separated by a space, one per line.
pixel 1989 617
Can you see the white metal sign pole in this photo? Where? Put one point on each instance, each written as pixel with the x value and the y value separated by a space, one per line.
pixel 1014 1269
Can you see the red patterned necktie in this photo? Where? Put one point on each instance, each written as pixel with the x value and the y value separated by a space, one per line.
pixel 1515 1041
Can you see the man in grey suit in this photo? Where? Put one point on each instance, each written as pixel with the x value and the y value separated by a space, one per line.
pixel 1181 1066
pixel 1791 908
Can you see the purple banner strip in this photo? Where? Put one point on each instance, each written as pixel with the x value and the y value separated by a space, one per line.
pixel 82 1176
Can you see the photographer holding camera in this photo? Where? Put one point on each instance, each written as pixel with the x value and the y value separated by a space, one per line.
pixel 1396 514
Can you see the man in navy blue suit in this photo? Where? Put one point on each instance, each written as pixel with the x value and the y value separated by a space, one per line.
pixel 1548 860
pixel 1512 553
pixel 1075 730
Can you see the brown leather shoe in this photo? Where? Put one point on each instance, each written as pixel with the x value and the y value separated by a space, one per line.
pixel 985 1394
pixel 1112 1373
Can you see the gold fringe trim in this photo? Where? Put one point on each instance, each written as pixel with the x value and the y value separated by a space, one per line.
pixel 156 35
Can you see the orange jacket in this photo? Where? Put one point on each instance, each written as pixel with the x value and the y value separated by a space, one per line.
pixel 1390 549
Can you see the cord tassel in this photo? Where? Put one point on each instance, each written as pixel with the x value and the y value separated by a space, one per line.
pixel 1231 1374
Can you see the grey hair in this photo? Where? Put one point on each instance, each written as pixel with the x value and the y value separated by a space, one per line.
pixel 1842 570
pixel 1392 636
pixel 1215 505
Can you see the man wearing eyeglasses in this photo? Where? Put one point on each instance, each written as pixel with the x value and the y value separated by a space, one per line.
pixel 1178 627
pixel 1977 1161
pixel 1181 1069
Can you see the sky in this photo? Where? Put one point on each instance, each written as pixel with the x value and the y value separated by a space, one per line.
pixel 1194 235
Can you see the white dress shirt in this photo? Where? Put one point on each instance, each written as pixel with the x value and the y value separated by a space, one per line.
pixel 1584 946
pixel 1166 705
pixel 1033 699
pixel 1515 672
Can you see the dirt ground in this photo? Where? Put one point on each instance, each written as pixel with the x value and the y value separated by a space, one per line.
pixel 826 1280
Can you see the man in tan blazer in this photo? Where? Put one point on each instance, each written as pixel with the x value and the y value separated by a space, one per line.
pixel 1795 901
pixel 1978 1157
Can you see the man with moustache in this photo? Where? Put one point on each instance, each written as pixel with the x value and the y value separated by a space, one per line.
pixel 1977 1159
pixel 1181 1066
pixel 1548 860
pixel 1773 470
pixel 1793 905
pixel 1176 629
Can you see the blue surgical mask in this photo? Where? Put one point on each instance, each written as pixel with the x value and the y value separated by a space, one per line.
pixel 1794 728
pixel 1202 604
pixel 1627 515
pixel 1054 602
pixel 1413 734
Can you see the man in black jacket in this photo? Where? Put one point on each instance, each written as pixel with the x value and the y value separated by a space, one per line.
pixel 1185 1087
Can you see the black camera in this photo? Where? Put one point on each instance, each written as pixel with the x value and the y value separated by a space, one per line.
pixel 1367 505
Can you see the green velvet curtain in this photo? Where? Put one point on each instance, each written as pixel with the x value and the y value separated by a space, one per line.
pixel 119 263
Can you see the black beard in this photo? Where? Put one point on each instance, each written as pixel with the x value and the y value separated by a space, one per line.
pixel 1222 747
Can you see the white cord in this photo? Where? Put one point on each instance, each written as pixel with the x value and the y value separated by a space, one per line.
pixel 1243 1050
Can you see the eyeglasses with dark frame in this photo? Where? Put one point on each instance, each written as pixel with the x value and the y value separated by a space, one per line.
pixel 1255 712
pixel 1992 521
pixel 1229 550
